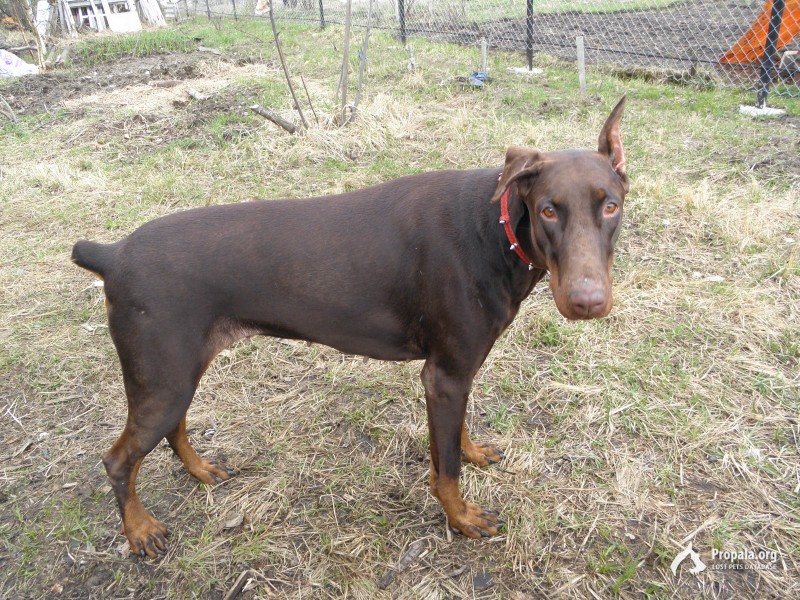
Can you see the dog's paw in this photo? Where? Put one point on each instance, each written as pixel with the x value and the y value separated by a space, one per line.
pixel 211 472
pixel 147 536
pixel 474 522
pixel 482 455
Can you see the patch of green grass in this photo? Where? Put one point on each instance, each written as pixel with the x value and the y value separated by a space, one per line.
pixel 628 572
pixel 664 554
pixel 548 333
pixel 272 92
pixel 605 563
pixel 655 590
pixel 144 43
pixel 18 130
pixel 502 418
pixel 252 546
pixel 231 35
pixel 75 523
pixel 721 535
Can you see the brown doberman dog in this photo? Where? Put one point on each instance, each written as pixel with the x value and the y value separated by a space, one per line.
pixel 428 267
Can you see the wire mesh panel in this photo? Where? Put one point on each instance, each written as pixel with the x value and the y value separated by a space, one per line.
pixel 711 42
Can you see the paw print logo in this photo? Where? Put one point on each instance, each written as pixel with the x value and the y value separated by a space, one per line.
pixel 688 552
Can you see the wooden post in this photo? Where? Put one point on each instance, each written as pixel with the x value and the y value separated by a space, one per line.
pixel 484 54
pixel 66 13
pixel 581 65
pixel 99 23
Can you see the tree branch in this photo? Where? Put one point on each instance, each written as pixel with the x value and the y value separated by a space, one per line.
pixel 285 69
pixel 279 121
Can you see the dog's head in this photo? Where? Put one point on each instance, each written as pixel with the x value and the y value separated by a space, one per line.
pixel 574 201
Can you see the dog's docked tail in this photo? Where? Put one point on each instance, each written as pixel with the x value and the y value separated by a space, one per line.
pixel 93 257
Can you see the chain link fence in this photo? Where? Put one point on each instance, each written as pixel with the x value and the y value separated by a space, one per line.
pixel 719 42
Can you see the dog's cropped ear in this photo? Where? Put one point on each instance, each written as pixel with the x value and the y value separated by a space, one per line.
pixel 610 142
pixel 521 166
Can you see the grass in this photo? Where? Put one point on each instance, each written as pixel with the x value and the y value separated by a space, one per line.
pixel 675 417
pixel 145 43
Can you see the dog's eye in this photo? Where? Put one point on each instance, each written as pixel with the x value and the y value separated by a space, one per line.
pixel 548 212
pixel 610 209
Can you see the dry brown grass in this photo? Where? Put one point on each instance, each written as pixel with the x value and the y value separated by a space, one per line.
pixel 673 420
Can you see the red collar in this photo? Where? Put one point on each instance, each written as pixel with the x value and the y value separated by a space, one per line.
pixel 505 221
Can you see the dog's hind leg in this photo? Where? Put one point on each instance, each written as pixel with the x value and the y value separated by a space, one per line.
pixel 161 365
pixel 221 335
pixel 144 532
pixel 143 431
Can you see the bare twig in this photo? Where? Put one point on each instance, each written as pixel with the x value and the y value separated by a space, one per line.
pixel 412 553
pixel 286 69
pixel 196 95
pixel 165 83
pixel 348 18
pixel 280 121
pixel 40 44
pixel 363 61
pixel 7 110
pixel 308 97
pixel 240 583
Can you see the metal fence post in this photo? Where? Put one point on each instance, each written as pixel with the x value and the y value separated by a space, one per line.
pixel 235 18
pixel 529 34
pixel 401 10
pixel 770 50
pixel 321 16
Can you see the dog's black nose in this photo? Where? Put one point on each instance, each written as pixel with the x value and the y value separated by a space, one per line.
pixel 588 299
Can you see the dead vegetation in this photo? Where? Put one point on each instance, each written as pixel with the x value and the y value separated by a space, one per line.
pixel 673 420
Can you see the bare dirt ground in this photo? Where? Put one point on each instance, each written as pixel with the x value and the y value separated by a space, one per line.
pixel 63 89
pixel 673 36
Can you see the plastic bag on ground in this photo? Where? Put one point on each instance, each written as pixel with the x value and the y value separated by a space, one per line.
pixel 12 65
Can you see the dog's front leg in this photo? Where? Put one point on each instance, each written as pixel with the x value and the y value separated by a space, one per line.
pixel 446 394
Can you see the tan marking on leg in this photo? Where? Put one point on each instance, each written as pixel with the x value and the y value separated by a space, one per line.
pixel 481 455
pixel 144 532
pixel 465 517
pixel 206 471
